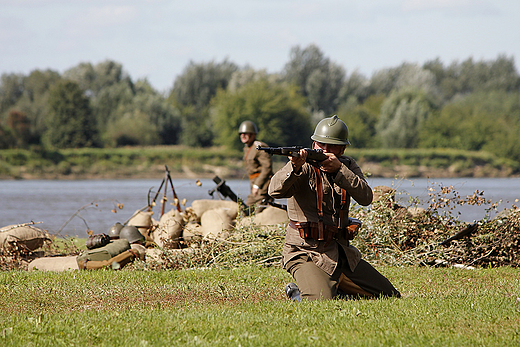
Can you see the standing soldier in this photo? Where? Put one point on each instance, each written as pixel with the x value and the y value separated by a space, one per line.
pixel 258 164
pixel 317 252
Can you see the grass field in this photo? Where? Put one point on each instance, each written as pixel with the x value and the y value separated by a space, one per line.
pixel 246 307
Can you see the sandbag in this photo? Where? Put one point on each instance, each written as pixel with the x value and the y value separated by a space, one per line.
pixel 215 222
pixel 107 252
pixel 143 221
pixel 54 264
pixel 269 216
pixel 22 238
pixel 139 249
pixel 191 230
pixel 169 229
pixel 201 206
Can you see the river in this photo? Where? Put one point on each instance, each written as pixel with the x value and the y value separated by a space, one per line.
pixel 54 202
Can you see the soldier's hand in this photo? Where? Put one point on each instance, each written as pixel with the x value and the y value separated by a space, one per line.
pixel 331 164
pixel 297 162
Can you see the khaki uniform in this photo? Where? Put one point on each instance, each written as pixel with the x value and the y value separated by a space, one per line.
pixel 320 268
pixel 259 168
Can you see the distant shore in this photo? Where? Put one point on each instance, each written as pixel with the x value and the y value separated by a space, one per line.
pixel 370 169
pixel 182 162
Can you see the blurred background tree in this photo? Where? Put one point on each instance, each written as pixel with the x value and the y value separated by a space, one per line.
pixel 471 105
pixel 277 110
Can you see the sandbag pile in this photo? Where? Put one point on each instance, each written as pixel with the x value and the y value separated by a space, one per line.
pixel 22 238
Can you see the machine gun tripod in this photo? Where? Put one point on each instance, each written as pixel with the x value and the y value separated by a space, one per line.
pixel 167 179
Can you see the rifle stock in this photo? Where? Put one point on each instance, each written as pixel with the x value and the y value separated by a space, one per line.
pixel 313 155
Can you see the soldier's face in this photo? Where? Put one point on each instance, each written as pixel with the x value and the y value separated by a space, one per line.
pixel 337 150
pixel 247 138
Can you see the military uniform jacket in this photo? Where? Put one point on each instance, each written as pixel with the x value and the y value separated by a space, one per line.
pixel 259 166
pixel 300 190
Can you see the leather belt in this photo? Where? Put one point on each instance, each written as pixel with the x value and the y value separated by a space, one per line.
pixel 253 176
pixel 310 230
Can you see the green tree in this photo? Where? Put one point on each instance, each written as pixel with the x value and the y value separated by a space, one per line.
pixel 191 94
pixel 317 78
pixel 277 110
pixel 469 76
pixel 478 121
pixel 70 123
pixel 361 121
pixel 355 89
pixel 108 87
pixel 20 127
pixel 148 118
pixel 402 116
pixel 35 98
pixel 11 89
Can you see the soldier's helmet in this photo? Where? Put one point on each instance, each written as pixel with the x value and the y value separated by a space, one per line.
pixel 247 127
pixel 332 131
pixel 131 233
pixel 114 230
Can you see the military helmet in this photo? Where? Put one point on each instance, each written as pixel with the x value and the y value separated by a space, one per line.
pixel 131 233
pixel 114 230
pixel 247 127
pixel 332 131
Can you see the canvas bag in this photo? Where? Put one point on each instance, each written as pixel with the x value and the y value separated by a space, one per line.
pixel 107 252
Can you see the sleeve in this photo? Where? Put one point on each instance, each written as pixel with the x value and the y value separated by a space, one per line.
pixel 285 182
pixel 351 179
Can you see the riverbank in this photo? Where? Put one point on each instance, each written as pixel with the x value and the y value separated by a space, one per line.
pixel 150 162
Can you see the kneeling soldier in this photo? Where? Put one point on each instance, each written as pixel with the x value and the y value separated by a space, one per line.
pixel 317 252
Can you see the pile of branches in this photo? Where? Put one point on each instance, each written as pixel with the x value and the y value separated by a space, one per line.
pixel 244 245
pixel 397 235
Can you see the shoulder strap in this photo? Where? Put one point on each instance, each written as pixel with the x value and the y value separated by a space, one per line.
pixel 342 206
pixel 319 195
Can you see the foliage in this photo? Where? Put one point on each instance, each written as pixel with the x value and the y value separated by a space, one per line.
pixel 361 120
pixel 70 122
pixel 318 79
pixel 469 76
pixel 276 110
pixel 479 121
pixel 192 93
pixel 403 114
pixel 471 105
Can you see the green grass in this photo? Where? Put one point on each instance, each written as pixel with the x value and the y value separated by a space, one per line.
pixel 246 307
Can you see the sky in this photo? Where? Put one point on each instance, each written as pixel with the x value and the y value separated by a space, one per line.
pixel 157 39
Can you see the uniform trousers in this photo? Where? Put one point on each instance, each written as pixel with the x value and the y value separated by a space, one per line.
pixel 316 284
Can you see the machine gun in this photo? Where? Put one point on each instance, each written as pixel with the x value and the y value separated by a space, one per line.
pixel 313 155
pixel 226 192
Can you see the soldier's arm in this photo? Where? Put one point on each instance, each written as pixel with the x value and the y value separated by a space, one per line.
pixel 351 178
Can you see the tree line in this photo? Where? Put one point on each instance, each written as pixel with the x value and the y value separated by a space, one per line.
pixel 470 105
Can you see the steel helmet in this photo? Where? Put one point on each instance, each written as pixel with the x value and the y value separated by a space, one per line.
pixel 247 127
pixel 114 230
pixel 332 131
pixel 131 233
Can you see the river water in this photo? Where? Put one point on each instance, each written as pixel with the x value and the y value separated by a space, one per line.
pixel 73 205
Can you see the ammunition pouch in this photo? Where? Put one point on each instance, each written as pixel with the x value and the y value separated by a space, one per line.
pixel 310 230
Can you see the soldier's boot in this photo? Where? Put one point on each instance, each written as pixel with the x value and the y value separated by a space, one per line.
pixel 292 292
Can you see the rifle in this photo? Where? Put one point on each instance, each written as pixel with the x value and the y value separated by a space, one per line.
pixel 274 204
pixel 313 155
pixel 464 232
pixel 224 189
